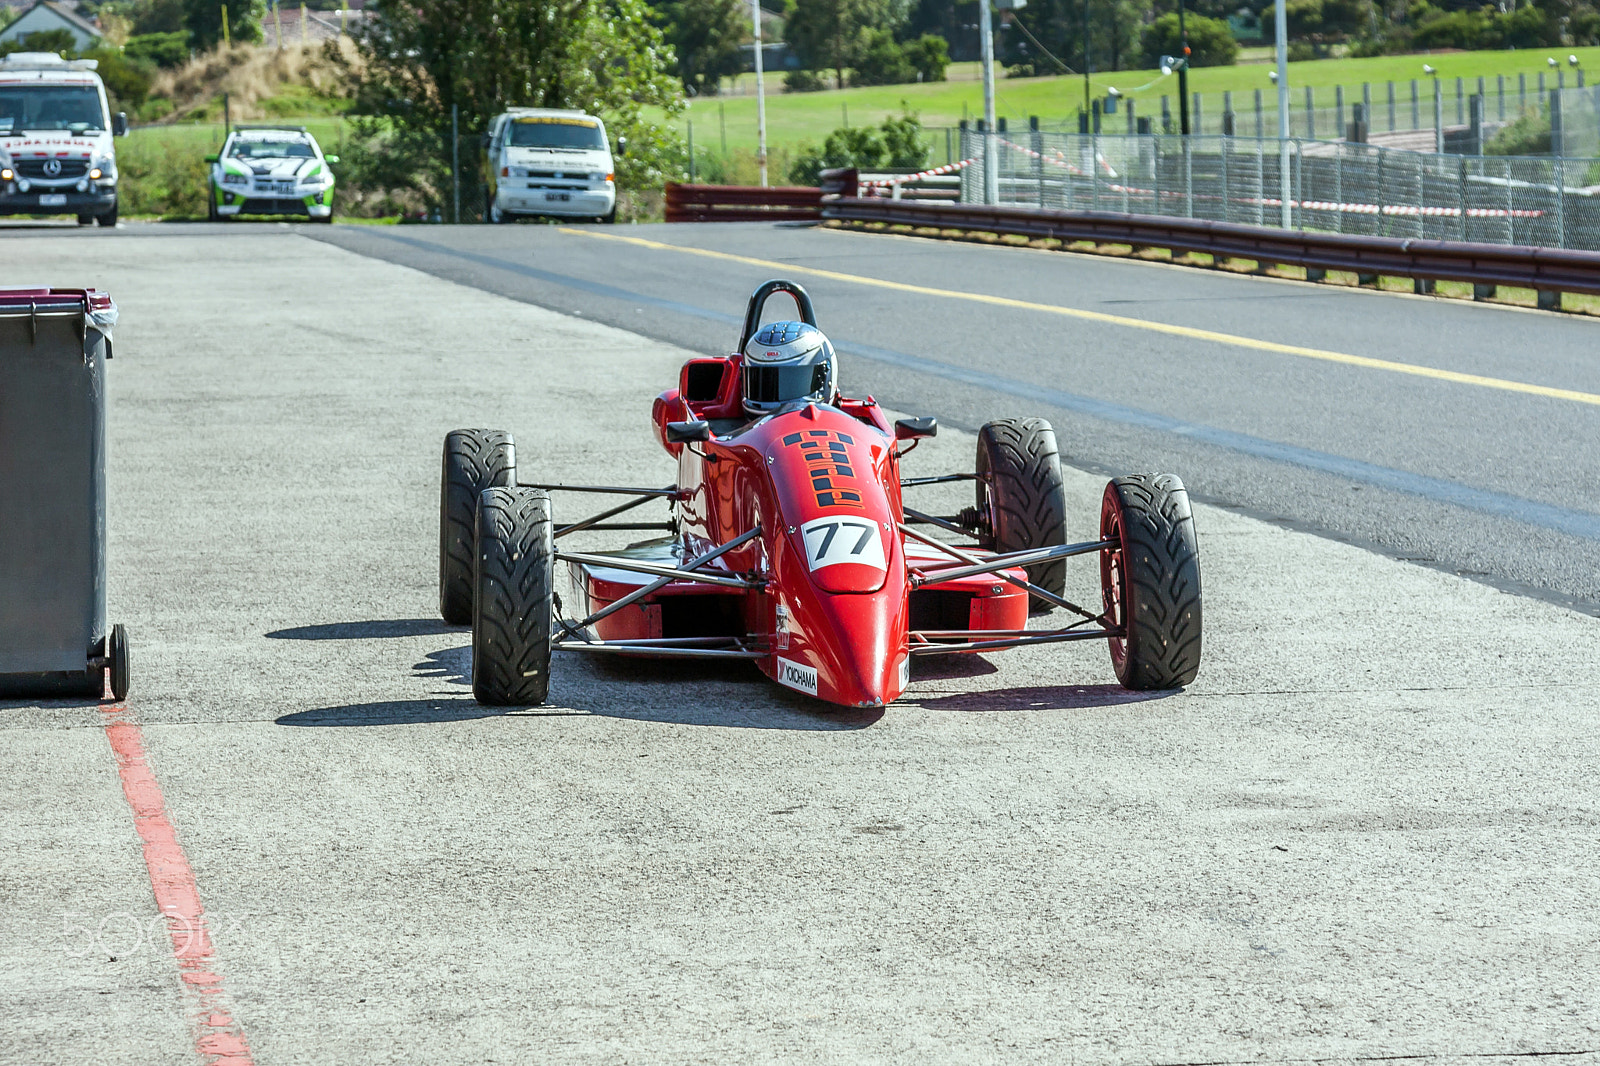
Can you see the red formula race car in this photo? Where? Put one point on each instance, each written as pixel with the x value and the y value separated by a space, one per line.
pixel 789 543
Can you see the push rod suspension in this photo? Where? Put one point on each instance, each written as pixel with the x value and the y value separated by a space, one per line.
pixel 1057 637
pixel 935 520
pixel 645 590
pixel 907 482
pixel 670 573
pixel 966 557
pixel 671 490
pixel 593 520
pixel 1010 559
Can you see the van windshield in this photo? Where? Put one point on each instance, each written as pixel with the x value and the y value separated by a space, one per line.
pixel 50 107
pixel 554 133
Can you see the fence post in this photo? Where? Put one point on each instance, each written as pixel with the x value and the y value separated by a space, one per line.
pixel 1461 115
pixel 1558 142
pixel 1037 140
pixel 1300 183
pixel 1522 93
pixel 1198 125
pixel 1227 114
pixel 1561 202
pixel 1391 107
pixel 1338 111
pixel 1259 131
pixel 1311 116
pixel 1188 181
pixel 1500 92
pixel 1475 111
pixel 1461 195
pixel 1338 186
pixel 1166 115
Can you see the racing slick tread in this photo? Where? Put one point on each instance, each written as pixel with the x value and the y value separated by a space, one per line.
pixel 1023 468
pixel 1161 580
pixel 474 459
pixel 512 579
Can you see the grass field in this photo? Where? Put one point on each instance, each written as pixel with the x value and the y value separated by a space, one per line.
pixel 795 118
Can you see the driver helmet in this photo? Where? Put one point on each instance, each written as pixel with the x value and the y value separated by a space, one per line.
pixel 785 362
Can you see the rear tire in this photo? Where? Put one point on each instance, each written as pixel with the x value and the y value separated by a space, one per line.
pixel 119 656
pixel 1022 500
pixel 474 460
pixel 1151 581
pixel 512 580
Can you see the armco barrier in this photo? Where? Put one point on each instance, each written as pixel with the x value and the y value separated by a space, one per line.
pixel 742 203
pixel 755 203
pixel 1550 271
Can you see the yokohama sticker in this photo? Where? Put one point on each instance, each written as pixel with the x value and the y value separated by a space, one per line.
pixel 797 676
pixel 834 540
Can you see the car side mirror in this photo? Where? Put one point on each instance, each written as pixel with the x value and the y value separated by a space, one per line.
pixel 915 428
pixel 211 159
pixel 688 432
pixel 330 159
pixel 119 124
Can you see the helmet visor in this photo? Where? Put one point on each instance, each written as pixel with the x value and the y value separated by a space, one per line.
pixel 780 384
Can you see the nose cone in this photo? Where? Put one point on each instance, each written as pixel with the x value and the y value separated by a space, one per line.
pixel 862 646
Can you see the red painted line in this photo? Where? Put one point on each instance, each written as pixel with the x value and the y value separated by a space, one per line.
pixel 218 1038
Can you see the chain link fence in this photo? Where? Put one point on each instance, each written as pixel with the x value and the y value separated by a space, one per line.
pixel 1332 187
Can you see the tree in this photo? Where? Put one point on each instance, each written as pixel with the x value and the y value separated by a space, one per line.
pixel 832 34
pixel 482 56
pixel 1211 43
pixel 203 19
pixel 881 61
pixel 928 56
pixel 1058 26
pixel 706 35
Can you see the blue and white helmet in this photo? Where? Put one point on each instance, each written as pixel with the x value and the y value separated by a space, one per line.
pixel 785 362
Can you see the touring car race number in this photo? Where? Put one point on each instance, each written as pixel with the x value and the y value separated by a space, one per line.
pixel 830 541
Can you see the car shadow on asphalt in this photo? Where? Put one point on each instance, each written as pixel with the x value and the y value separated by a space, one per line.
pixel 370 630
pixel 1041 698
pixel 672 692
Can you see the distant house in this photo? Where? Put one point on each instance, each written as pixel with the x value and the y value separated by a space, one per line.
pixel 48 15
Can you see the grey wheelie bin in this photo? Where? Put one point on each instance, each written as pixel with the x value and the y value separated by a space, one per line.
pixel 54 640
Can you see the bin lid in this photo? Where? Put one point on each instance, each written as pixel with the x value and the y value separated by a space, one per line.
pixel 94 304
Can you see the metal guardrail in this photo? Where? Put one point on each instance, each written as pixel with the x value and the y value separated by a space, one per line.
pixel 742 203
pixel 1549 271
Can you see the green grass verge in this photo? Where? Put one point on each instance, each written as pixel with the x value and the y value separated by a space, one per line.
pixel 796 118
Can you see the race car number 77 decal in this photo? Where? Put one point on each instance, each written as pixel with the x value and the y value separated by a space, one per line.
pixel 831 540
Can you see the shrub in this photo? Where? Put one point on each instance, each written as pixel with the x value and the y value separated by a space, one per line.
pixel 165 50
pixel 895 143
pixel 1528 134
pixel 802 81
pixel 1211 43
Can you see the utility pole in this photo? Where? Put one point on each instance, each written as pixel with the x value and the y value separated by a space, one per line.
pixel 761 97
pixel 1282 36
pixel 455 159
pixel 991 180
pixel 1183 75
pixel 1086 56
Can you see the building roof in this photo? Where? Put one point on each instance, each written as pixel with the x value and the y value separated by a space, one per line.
pixel 70 18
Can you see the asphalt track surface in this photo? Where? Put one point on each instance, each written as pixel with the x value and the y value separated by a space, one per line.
pixel 1477 478
pixel 1367 830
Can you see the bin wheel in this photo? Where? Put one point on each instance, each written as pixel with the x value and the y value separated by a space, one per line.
pixel 1151 581
pixel 474 460
pixel 1022 499
pixel 512 578
pixel 117 654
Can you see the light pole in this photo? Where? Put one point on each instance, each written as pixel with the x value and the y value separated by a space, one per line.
pixel 761 97
pixel 1183 74
pixel 991 180
pixel 1281 36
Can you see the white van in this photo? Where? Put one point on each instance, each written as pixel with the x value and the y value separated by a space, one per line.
pixel 56 152
pixel 544 162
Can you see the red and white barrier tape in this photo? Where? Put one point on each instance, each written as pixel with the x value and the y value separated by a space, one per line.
pixel 901 179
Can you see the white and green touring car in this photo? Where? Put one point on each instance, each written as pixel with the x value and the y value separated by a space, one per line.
pixel 271 170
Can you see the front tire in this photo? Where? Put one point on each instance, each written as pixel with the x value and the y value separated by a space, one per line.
pixel 1151 581
pixel 109 219
pixel 474 460
pixel 1022 499
pixel 512 582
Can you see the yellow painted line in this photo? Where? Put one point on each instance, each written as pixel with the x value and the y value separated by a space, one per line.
pixel 1210 336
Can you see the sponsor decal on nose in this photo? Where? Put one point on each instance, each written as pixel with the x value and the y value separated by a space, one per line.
pixel 797 676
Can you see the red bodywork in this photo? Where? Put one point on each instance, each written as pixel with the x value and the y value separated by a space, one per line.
pixel 836 607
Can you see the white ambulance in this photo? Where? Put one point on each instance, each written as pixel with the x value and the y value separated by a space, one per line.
pixel 56 151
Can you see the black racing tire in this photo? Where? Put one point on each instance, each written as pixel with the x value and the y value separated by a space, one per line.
pixel 474 460
pixel 1022 499
pixel 1151 581
pixel 118 657
pixel 109 219
pixel 512 579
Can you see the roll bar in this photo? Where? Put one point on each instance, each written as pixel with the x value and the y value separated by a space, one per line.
pixel 758 301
